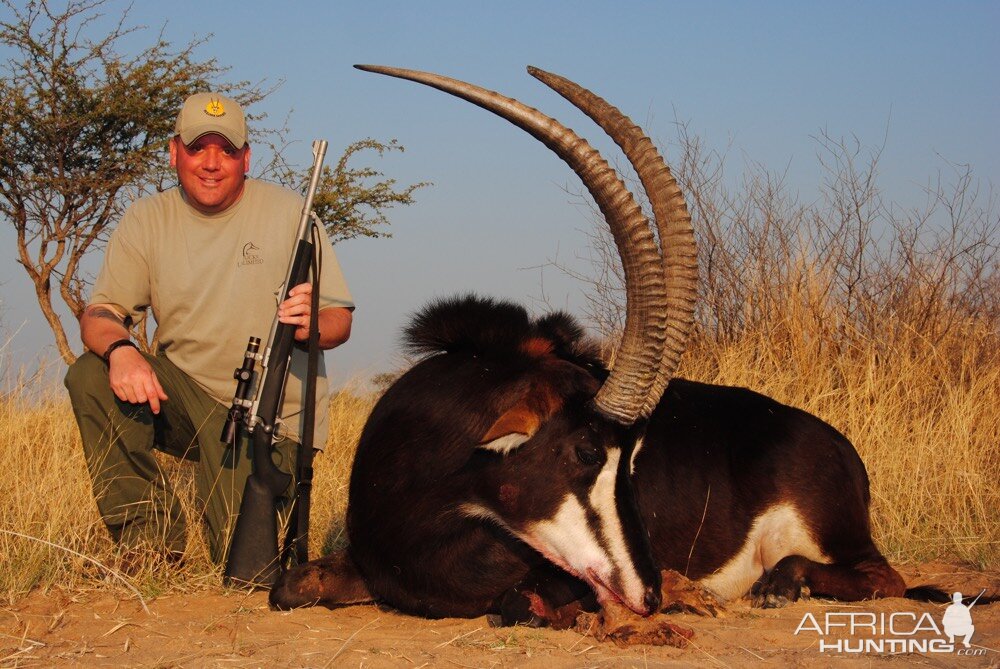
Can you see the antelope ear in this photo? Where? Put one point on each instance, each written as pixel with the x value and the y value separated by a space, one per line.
pixel 520 422
pixel 514 427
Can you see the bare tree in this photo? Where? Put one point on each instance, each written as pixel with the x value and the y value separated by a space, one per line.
pixel 856 266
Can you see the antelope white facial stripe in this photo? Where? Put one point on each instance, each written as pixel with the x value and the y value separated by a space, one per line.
pixel 603 501
pixel 479 511
pixel 635 451
pixel 568 533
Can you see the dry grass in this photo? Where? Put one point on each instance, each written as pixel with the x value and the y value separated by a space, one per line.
pixel 348 413
pixel 46 495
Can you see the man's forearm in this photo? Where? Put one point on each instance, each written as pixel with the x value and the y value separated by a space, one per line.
pixel 334 326
pixel 100 326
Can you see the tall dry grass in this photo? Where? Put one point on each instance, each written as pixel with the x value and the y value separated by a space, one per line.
pixel 45 495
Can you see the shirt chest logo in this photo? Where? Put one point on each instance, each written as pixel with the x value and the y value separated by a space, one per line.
pixel 251 255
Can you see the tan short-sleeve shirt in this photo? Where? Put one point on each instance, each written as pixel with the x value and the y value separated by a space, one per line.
pixel 213 281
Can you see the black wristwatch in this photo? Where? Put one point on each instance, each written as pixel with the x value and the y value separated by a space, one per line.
pixel 118 343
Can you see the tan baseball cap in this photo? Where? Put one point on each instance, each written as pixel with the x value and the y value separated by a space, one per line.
pixel 205 113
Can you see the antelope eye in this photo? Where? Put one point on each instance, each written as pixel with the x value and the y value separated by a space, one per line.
pixel 588 455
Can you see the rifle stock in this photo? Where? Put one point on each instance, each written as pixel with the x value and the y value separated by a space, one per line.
pixel 253 552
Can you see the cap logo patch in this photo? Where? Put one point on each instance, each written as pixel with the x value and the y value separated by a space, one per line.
pixel 215 108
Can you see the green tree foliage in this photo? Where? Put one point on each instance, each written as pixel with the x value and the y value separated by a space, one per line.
pixel 353 201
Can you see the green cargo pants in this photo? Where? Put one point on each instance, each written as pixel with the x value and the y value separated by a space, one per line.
pixel 133 494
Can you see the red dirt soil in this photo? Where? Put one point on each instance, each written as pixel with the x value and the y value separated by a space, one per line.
pixel 219 628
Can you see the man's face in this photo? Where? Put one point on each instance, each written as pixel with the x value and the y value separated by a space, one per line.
pixel 211 171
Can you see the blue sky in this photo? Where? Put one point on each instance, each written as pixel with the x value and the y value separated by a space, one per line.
pixel 762 79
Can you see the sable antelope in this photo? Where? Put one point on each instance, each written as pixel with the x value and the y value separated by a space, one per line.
pixel 509 448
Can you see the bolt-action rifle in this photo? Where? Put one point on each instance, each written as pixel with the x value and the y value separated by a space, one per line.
pixel 253 552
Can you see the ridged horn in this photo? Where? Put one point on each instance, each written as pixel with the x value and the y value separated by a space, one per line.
pixel 625 392
pixel 673 222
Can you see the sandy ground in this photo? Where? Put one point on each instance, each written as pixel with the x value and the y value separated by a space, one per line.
pixel 229 629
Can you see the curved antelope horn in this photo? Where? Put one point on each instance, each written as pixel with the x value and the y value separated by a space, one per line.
pixel 625 393
pixel 673 222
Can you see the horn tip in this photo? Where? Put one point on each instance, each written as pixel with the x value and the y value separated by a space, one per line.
pixel 537 72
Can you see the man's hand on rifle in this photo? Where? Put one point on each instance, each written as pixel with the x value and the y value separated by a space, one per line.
pixel 296 309
pixel 334 322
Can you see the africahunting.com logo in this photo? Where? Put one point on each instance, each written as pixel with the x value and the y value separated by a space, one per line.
pixel 857 632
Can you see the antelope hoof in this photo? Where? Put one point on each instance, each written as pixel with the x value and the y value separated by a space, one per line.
pixel 779 588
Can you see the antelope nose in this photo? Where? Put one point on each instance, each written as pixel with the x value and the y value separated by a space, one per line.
pixel 652 600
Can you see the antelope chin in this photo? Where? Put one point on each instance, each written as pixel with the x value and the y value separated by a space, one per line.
pixel 602 590
pixel 606 594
